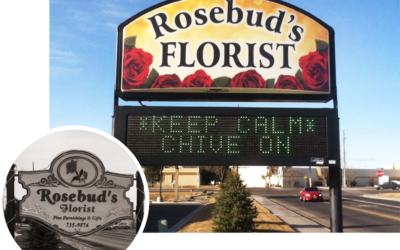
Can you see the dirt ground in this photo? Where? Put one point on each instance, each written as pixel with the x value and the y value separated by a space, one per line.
pixel 392 195
pixel 265 222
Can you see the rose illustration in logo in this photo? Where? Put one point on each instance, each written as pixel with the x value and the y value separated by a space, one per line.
pixel 248 79
pixel 136 67
pixel 198 79
pixel 167 81
pixel 315 68
pixel 288 82
pixel 71 168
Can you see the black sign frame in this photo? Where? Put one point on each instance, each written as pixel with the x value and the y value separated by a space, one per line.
pixel 217 94
pixel 121 121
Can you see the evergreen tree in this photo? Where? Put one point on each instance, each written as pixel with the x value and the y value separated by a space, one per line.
pixel 234 210
pixel 153 174
pixel 40 237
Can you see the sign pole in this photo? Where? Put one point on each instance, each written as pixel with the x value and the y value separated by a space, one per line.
pixel 176 182
pixel 10 209
pixel 335 193
pixel 161 181
pixel 335 185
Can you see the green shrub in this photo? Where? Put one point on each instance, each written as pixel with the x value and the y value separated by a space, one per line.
pixel 234 210
pixel 40 237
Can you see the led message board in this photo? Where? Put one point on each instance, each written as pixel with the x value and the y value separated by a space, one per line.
pixel 77 195
pixel 225 49
pixel 227 135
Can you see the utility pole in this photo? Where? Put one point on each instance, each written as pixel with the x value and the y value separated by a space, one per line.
pixel 176 182
pixel 344 159
pixel 161 175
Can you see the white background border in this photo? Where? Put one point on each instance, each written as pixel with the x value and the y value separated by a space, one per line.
pixel 81 128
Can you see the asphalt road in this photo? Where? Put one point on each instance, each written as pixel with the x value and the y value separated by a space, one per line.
pixel 171 190
pixel 118 239
pixel 359 214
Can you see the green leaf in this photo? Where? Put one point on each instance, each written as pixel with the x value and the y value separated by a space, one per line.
pixel 299 75
pixel 270 83
pixel 321 45
pixel 151 78
pixel 222 81
pixel 130 42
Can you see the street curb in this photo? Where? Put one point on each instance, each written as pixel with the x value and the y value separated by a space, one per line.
pixel 182 222
pixel 293 219
pixel 374 196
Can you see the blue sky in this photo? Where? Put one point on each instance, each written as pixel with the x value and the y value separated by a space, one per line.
pixel 83 52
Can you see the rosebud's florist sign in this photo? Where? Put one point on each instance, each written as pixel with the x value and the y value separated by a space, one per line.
pixel 77 195
pixel 231 49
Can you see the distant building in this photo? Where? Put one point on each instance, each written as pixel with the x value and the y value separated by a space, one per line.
pixel 367 177
pixel 252 176
pixel 280 176
pixel 277 176
pixel 189 176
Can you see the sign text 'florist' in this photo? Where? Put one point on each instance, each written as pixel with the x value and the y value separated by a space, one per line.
pixel 225 47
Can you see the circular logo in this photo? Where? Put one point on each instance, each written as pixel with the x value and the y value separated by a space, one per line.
pixel 77 171
pixel 77 168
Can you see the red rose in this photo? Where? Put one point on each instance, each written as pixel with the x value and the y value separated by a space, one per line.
pixel 288 82
pixel 198 79
pixel 136 67
pixel 167 81
pixel 248 79
pixel 315 70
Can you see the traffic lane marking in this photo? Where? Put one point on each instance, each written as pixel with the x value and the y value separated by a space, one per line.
pixel 373 203
pixel 372 213
pixel 368 202
pixel 320 220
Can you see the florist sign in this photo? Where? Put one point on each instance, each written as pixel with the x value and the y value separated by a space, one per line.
pixel 76 196
pixel 249 48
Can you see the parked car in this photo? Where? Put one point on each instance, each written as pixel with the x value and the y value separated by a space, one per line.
pixel 388 185
pixel 110 227
pixel 123 225
pixel 311 194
